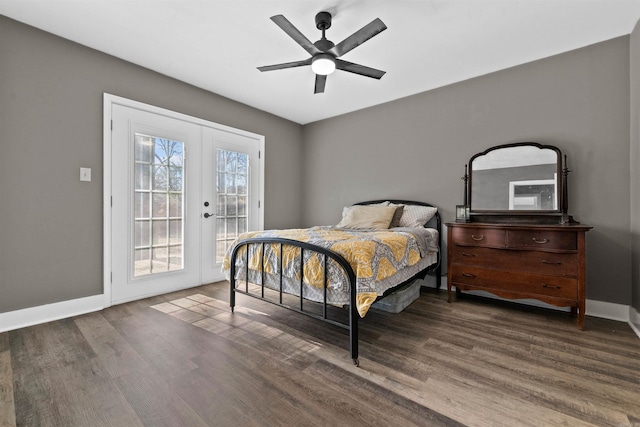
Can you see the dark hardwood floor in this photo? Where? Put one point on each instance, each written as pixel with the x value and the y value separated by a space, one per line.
pixel 183 359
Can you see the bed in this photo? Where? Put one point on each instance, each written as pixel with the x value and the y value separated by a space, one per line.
pixel 378 247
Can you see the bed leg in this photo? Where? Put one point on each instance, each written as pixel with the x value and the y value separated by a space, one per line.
pixel 232 294
pixel 353 334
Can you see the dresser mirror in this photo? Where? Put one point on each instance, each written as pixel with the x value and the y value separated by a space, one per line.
pixel 520 181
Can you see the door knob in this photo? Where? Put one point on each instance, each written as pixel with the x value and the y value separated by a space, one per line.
pixel 207 215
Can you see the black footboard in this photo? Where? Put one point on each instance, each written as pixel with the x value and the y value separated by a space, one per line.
pixel 326 254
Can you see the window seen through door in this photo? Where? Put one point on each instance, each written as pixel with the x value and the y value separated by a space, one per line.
pixel 158 205
pixel 232 177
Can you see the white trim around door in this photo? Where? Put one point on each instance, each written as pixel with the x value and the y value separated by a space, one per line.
pixel 110 101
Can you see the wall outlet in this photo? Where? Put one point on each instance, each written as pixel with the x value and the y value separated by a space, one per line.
pixel 85 174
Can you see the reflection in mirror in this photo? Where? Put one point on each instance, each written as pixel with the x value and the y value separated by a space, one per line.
pixel 516 177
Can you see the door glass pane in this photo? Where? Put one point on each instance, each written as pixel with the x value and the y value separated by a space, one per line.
pixel 159 233
pixel 221 205
pixel 230 180
pixel 231 228
pixel 232 176
pixel 175 205
pixel 221 230
pixel 142 233
pixel 242 206
pixel 243 165
pixel 175 178
pixel 232 157
pixel 158 205
pixel 159 208
pixel 175 232
pixel 160 177
pixel 232 209
pixel 241 184
pixel 220 183
pixel 143 175
pixel 142 205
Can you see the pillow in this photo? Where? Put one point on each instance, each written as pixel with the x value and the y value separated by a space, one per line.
pixel 367 217
pixel 347 208
pixel 395 222
pixel 416 215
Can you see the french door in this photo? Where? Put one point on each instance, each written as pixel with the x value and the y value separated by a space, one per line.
pixel 231 173
pixel 181 191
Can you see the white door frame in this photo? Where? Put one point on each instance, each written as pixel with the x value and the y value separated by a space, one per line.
pixel 108 101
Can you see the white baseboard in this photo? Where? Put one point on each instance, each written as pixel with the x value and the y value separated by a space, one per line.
pixel 634 320
pixel 607 310
pixel 46 313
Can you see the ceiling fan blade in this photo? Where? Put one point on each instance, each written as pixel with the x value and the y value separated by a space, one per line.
pixel 295 34
pixel 359 69
pixel 285 65
pixel 362 35
pixel 321 80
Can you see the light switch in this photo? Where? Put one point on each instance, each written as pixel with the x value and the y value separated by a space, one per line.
pixel 85 174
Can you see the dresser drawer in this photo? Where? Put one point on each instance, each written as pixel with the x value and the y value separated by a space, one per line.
pixel 542 240
pixel 527 284
pixel 559 264
pixel 489 237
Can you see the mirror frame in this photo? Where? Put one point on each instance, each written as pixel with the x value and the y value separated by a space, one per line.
pixel 523 215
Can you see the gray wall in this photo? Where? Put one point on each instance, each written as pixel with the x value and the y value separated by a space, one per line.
pixel 51 94
pixel 635 163
pixel 416 148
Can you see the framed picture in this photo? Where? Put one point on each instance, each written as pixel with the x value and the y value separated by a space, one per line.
pixel 462 213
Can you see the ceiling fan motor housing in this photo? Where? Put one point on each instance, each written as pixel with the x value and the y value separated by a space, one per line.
pixel 324 45
pixel 323 21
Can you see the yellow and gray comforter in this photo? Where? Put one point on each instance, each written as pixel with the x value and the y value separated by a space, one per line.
pixel 380 260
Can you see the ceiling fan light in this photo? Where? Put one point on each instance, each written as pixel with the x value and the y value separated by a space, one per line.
pixel 323 64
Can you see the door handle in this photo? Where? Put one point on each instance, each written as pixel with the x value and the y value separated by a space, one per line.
pixel 207 215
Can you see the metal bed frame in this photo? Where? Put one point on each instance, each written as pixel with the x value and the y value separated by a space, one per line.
pixel 352 326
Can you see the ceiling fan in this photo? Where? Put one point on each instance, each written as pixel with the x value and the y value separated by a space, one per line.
pixel 324 53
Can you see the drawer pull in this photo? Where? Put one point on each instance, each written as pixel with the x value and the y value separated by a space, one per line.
pixel 544 261
pixel 544 285
pixel 467 254
pixel 468 275
pixel 477 238
pixel 541 241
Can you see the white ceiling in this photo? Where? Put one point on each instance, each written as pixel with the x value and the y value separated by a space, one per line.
pixel 217 44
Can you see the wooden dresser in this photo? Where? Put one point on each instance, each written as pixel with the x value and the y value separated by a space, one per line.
pixel 542 262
